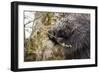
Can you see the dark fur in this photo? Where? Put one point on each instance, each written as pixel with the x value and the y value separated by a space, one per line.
pixel 73 29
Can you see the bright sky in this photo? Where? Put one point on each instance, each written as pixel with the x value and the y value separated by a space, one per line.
pixel 28 16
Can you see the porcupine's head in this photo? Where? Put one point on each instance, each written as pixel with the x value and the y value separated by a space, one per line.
pixel 73 33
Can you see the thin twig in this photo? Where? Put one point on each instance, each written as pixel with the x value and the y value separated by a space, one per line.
pixel 62 44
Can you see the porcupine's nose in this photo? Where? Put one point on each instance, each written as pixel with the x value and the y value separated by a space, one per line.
pixel 52 37
pixel 51 34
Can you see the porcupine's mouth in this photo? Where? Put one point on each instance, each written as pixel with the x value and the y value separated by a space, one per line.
pixel 56 41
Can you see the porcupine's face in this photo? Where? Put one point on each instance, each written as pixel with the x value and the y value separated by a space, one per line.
pixel 60 33
pixel 73 30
